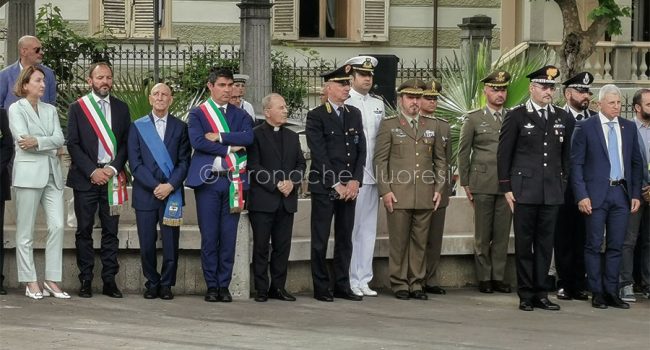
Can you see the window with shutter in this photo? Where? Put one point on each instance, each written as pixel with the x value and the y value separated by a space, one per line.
pixel 142 18
pixel 114 17
pixel 285 19
pixel 354 20
pixel 375 20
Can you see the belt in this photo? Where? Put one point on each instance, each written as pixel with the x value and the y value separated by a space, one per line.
pixel 617 182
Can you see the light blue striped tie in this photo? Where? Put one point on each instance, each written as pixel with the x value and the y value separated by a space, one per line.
pixel 612 149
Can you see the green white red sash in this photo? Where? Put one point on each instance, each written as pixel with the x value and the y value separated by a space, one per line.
pixel 236 161
pixel 117 193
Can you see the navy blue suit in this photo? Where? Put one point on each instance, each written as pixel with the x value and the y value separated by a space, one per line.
pixel 149 210
pixel 8 78
pixel 590 168
pixel 217 225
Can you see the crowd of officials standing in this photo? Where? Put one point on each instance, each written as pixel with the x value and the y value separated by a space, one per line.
pixel 569 179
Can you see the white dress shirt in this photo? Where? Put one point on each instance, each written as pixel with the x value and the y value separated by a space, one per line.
pixel 617 127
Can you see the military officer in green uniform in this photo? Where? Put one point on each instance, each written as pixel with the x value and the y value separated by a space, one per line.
pixel 409 168
pixel 428 105
pixel 477 167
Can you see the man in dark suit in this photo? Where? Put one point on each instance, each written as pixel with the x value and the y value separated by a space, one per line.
pixel 98 127
pixel 570 230
pixel 276 165
pixel 159 155
pixel 30 53
pixel 606 175
pixel 338 152
pixel 219 133
pixel 532 159
pixel 6 153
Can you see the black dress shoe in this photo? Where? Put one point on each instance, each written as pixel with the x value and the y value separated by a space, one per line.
pixel 212 295
pixel 598 301
pixel 501 287
pixel 150 293
pixel 165 293
pixel 3 291
pixel 418 294
pixel 403 295
pixel 545 304
pixel 281 294
pixel 580 295
pixel 434 290
pixel 485 287
pixel 110 289
pixel 563 294
pixel 347 295
pixel 261 297
pixel 225 295
pixel 327 297
pixel 614 301
pixel 86 290
pixel 526 305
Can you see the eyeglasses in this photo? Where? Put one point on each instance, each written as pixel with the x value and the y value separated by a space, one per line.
pixel 38 49
pixel 545 87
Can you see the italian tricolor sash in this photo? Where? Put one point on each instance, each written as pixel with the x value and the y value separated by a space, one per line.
pixel 236 161
pixel 117 193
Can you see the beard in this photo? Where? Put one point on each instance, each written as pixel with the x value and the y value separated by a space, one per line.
pixel 101 91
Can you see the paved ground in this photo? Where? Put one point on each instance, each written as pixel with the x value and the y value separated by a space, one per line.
pixel 463 319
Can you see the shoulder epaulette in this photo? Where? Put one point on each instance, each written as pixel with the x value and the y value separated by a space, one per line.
pixel 429 116
pixel 474 110
pixel 442 120
pixel 393 116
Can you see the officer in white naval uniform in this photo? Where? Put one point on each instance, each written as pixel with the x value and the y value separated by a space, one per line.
pixel 365 219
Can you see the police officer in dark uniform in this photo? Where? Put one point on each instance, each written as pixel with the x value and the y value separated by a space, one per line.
pixel 338 152
pixel 532 159
pixel 570 231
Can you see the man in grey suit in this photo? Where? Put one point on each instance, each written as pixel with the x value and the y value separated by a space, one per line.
pixel 30 52
pixel 477 167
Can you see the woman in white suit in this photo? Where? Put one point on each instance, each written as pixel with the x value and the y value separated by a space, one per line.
pixel 37 180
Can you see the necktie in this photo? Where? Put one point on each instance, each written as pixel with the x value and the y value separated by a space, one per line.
pixel 223 111
pixel 340 109
pixel 542 113
pixel 102 156
pixel 612 150
pixel 580 116
pixel 497 116
pixel 160 128
pixel 414 125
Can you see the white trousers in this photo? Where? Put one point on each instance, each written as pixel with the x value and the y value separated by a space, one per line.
pixel 363 235
pixel 27 202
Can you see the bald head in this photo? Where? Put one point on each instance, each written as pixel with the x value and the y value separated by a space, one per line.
pixel 30 51
pixel 160 99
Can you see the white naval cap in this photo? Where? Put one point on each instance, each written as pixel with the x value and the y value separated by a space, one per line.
pixel 363 63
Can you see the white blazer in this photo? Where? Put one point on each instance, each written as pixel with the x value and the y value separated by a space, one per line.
pixel 32 167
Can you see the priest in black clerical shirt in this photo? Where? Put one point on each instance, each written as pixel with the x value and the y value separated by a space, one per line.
pixel 276 166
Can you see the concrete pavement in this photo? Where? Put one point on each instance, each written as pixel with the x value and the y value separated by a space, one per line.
pixel 462 319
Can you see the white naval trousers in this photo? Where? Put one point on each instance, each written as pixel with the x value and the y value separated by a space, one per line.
pixel 363 235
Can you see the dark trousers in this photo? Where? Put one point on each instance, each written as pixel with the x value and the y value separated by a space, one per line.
pixel 147 222
pixel 85 207
pixel 611 217
pixel 635 258
pixel 322 210
pixel 534 231
pixel 218 232
pixel 277 228
pixel 570 248
pixel 2 240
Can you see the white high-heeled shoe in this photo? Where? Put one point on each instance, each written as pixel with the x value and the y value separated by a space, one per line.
pixel 36 296
pixel 47 291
